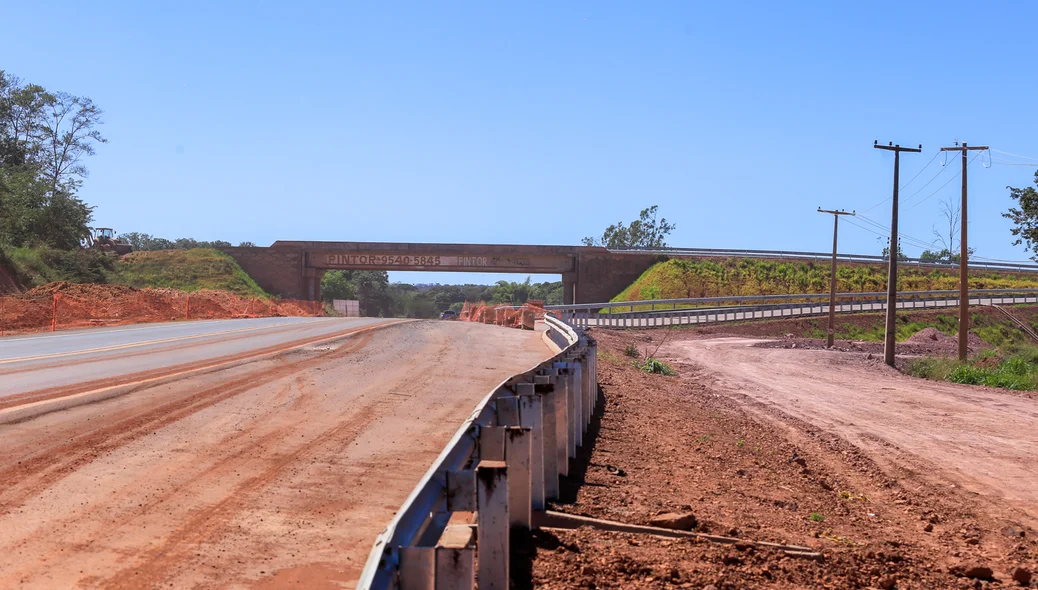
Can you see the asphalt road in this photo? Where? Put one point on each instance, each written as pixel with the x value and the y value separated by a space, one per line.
pixel 32 363
pixel 235 454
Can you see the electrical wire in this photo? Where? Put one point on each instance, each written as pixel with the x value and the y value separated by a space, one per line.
pixel 902 187
pixel 1003 163
pixel 927 197
pixel 1014 155
pixel 910 240
pixel 944 167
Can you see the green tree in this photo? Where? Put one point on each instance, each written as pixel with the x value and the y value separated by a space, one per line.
pixel 44 139
pixel 645 232
pixel 336 284
pixel 1025 217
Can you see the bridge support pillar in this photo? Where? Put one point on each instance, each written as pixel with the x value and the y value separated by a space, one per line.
pixel 312 282
pixel 569 288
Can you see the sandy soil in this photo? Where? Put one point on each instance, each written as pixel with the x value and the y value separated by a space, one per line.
pixel 278 473
pixel 898 482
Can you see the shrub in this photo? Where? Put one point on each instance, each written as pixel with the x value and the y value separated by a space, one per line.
pixel 631 350
pixel 657 367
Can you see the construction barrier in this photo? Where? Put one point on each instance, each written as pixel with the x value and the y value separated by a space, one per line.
pixel 62 306
pixel 512 316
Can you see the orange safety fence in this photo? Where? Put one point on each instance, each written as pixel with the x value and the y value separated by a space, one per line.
pixel 513 316
pixel 63 305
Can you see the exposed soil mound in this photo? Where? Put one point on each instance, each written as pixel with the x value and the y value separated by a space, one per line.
pixel 80 290
pixel 929 336
pixel 61 305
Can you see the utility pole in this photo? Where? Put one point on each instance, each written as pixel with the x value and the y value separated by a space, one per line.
pixel 964 294
pixel 831 337
pixel 895 250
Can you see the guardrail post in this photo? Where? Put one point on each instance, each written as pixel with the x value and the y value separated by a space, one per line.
pixel 531 416
pixel 455 568
pixel 507 411
pixel 492 524
pixel 551 434
pixel 576 406
pixel 563 430
pixel 417 568
pixel 517 458
pixel 491 443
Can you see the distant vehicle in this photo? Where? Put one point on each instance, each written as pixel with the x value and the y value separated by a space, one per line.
pixel 450 314
pixel 104 239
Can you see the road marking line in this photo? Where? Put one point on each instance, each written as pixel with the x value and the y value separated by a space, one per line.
pixel 133 344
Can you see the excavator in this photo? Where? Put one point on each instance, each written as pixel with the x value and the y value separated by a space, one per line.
pixel 103 239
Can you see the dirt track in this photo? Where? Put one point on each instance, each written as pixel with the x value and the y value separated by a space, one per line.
pixel 275 473
pixel 980 438
pixel 898 482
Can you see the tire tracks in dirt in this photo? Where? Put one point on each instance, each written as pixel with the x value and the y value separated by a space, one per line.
pixel 35 473
pixel 207 522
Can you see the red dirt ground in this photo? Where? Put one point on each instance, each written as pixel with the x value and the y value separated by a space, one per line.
pixel 83 305
pixel 756 469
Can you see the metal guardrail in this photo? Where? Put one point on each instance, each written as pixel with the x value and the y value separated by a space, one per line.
pixel 823 256
pixel 654 304
pixel 586 318
pixel 502 464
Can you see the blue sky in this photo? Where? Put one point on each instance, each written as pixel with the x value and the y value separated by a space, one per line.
pixel 538 123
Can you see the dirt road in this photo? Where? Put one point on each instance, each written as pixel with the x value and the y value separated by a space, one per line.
pixel 979 438
pixel 274 473
pixel 896 482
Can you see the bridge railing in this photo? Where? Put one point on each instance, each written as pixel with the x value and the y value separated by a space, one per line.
pixel 502 464
pixel 720 309
pixel 825 256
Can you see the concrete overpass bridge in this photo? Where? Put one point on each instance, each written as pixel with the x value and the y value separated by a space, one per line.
pixel 589 274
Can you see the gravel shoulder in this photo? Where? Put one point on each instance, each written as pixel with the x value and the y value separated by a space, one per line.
pixel 275 473
pixel 898 482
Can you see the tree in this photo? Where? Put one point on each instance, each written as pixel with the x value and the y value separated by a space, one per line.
pixel 645 232
pixel 68 135
pixel 44 138
pixel 1025 217
pixel 952 215
pixel 336 285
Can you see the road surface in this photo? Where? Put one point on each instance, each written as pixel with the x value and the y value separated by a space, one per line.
pixel 977 438
pixel 215 459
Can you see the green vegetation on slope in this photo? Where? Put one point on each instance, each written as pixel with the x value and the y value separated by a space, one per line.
pixel 1014 367
pixel 33 267
pixel 187 270
pixel 685 278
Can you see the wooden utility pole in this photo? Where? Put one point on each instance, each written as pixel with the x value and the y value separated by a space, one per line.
pixel 891 329
pixel 964 293
pixel 831 333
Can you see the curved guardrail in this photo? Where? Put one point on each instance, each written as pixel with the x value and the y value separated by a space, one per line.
pixel 823 256
pixel 501 464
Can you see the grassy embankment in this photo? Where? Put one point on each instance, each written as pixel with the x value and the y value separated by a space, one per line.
pixel 186 270
pixel 687 278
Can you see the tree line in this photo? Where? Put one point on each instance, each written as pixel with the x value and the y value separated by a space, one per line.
pixel 380 298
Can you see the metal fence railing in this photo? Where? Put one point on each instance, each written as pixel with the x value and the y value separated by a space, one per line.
pixel 502 464
pixel 670 312
pixel 825 256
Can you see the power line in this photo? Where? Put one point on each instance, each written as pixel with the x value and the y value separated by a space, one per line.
pixel 920 189
pixel 1004 163
pixel 916 241
pixel 927 197
pixel 1014 155
pixel 902 187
